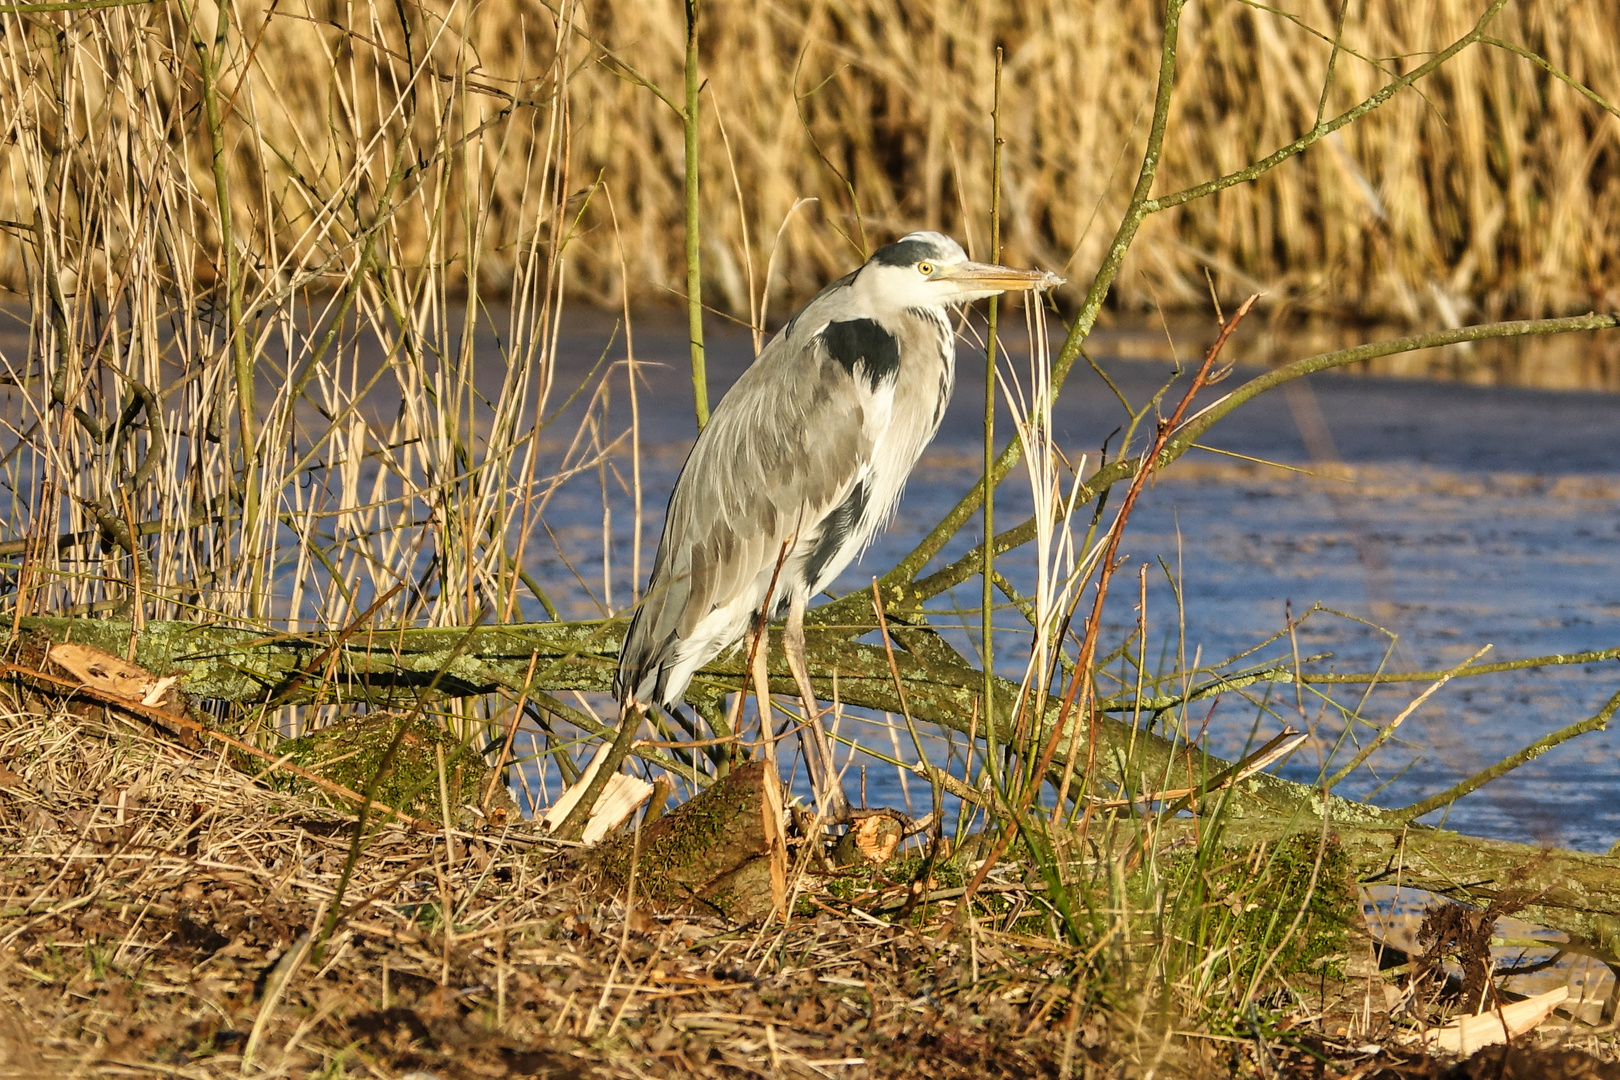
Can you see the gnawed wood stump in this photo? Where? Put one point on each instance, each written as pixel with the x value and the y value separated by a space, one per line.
pixel 724 851
pixel 620 799
pixel 1465 1034
pixel 873 838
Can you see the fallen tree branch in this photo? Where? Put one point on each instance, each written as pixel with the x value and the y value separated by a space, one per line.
pixel 240 666
pixel 1572 892
pixel 170 719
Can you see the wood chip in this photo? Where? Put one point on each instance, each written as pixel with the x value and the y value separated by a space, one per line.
pixel 619 799
pixel 1466 1034
pixel 107 673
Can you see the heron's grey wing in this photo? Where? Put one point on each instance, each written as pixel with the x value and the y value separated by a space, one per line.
pixel 780 452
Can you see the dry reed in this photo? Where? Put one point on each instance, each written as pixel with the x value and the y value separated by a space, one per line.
pixel 1496 189
pixel 213 398
pixel 365 165
pixel 176 903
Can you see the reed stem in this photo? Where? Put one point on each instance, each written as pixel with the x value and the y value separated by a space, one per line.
pixel 694 235
pixel 987 552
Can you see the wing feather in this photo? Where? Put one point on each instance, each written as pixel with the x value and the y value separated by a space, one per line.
pixel 781 451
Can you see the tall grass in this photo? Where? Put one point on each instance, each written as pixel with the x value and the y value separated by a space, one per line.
pixel 258 382
pixel 1496 191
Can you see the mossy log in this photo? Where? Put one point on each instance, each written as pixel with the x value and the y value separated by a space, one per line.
pixel 387 667
pixel 420 760
pixel 721 850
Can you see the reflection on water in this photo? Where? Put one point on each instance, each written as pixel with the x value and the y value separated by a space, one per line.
pixel 1552 362
pixel 1588 361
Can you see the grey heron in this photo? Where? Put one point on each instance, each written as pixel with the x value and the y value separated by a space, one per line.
pixel 800 464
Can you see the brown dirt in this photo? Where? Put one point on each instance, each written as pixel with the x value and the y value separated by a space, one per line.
pixel 1496 1063
pixel 159 907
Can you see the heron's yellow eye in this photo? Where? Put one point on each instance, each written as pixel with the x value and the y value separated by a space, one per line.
pixel 925 269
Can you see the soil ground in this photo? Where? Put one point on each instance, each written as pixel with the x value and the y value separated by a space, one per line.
pixel 163 915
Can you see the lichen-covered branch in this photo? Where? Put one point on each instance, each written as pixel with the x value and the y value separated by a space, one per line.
pixel 1568 891
pixel 392 667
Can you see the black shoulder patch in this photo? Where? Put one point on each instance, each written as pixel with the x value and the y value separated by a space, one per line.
pixel 863 342
pixel 836 529
pixel 904 253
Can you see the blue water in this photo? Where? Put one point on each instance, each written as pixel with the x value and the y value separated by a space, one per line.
pixel 1472 516
pixel 1476 515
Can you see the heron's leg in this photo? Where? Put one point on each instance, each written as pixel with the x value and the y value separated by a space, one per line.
pixel 818 756
pixel 762 693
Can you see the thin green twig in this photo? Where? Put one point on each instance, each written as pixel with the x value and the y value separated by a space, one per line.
pixel 1596 722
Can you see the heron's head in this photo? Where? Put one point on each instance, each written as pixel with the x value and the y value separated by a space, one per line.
pixel 929 269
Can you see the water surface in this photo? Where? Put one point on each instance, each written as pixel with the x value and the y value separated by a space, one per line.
pixel 1438 516
pixel 1432 515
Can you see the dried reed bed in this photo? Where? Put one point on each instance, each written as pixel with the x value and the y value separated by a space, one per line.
pixel 1496 189
pixel 210 412
pixel 163 914
pixel 293 422
pixel 160 910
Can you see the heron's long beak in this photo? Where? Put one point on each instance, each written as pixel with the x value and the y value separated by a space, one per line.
pixel 987 278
